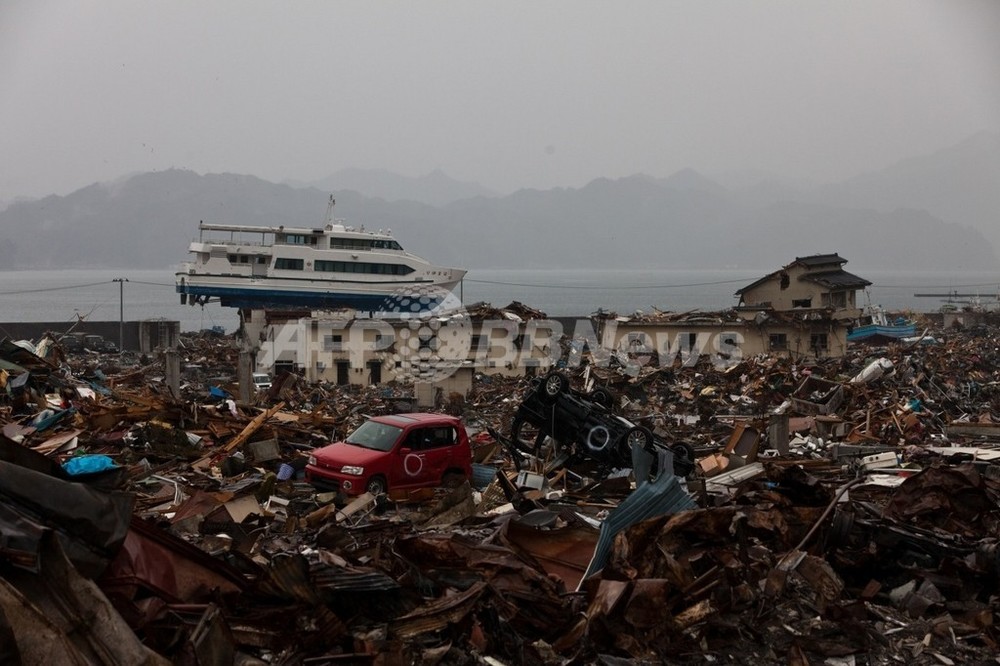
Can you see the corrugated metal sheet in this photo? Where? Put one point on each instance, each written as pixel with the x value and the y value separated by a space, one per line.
pixel 660 497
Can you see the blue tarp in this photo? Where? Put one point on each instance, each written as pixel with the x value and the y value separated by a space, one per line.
pixel 218 393
pixel 87 464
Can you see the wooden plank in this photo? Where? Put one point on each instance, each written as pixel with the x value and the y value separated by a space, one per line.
pixel 252 427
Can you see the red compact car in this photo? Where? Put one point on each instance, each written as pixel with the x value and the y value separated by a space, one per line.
pixel 394 452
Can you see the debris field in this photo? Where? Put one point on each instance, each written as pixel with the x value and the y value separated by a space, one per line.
pixel 831 511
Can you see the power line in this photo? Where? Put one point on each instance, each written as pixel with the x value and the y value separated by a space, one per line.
pixel 37 291
pixel 80 286
pixel 936 286
pixel 577 286
pixel 153 284
pixel 706 284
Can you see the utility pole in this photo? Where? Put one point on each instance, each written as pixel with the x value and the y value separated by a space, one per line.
pixel 121 313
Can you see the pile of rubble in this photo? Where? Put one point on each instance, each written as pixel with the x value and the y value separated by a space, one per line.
pixel 841 511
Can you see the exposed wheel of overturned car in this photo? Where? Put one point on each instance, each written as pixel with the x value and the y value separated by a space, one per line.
pixel 602 396
pixel 554 384
pixel 683 460
pixel 685 451
pixel 639 436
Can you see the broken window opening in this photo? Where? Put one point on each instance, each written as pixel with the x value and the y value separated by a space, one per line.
pixel 333 342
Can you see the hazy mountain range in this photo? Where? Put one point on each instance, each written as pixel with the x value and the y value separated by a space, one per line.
pixel 435 188
pixel 934 212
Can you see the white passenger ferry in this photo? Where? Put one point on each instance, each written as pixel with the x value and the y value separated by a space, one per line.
pixel 333 267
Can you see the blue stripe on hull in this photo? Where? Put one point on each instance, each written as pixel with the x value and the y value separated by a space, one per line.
pixel 234 297
pixel 873 331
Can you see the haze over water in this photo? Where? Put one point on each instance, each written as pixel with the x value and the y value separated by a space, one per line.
pixel 62 296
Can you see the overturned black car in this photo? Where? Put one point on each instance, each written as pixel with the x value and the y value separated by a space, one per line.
pixel 584 427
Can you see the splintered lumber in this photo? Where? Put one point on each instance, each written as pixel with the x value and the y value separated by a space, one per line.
pixel 252 427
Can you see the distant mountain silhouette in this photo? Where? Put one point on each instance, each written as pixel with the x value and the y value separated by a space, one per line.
pixel 689 179
pixel 960 184
pixel 882 220
pixel 435 188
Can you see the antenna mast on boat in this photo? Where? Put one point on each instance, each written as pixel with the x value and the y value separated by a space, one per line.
pixel 329 210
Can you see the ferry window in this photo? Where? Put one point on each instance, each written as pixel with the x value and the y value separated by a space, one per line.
pixel 350 244
pixel 288 264
pixel 233 258
pixel 299 239
pixel 383 244
pixel 361 267
pixel 263 260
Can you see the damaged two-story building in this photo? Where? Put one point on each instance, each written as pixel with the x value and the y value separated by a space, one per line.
pixel 802 310
pixel 808 305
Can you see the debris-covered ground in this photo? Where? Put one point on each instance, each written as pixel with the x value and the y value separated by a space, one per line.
pixel 842 511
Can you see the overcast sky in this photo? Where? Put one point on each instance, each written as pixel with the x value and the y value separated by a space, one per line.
pixel 508 94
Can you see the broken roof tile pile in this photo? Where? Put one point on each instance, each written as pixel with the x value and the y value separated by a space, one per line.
pixel 847 511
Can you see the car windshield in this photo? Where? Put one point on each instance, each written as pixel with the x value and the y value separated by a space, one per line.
pixel 374 435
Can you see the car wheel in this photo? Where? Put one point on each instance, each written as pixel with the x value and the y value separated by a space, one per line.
pixel 526 436
pixel 603 397
pixel 376 486
pixel 683 450
pixel 553 384
pixel 639 436
pixel 683 459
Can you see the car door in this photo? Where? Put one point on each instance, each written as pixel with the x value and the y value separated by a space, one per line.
pixel 409 465
pixel 441 446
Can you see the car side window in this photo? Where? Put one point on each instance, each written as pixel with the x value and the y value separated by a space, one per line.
pixel 442 436
pixel 415 439
pixel 423 439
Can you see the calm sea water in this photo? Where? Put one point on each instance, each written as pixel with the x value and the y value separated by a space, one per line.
pixel 149 294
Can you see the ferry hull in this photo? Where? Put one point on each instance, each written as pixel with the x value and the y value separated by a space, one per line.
pixel 390 297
